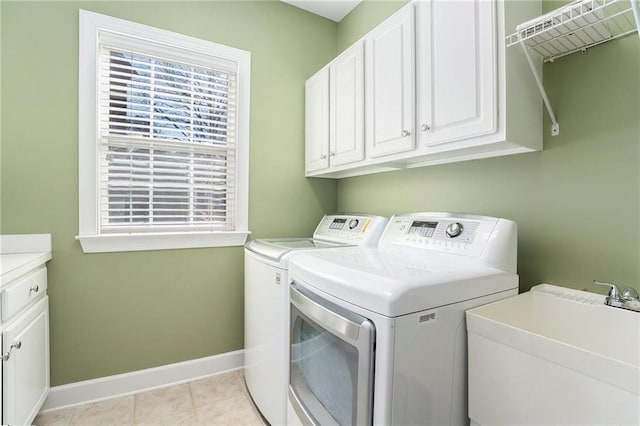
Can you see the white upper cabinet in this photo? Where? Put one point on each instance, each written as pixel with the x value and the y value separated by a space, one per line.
pixel 390 85
pixel 334 114
pixel 440 87
pixel 317 121
pixel 474 102
pixel 456 43
pixel 346 123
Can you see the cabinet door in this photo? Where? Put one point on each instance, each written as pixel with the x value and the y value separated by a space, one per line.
pixel 26 373
pixel 456 70
pixel 317 121
pixel 390 82
pixel 346 75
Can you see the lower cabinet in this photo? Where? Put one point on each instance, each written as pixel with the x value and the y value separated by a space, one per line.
pixel 24 324
pixel 25 375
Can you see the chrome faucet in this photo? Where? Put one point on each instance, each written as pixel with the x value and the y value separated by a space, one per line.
pixel 617 299
pixel 614 298
pixel 629 294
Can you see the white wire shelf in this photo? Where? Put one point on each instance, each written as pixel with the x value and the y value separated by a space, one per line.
pixel 576 27
pixel 573 28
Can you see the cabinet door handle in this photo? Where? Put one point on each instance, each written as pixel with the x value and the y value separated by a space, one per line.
pixel 425 128
pixel 323 157
pixel 332 154
pixel 15 345
pixel 406 133
pixel 34 289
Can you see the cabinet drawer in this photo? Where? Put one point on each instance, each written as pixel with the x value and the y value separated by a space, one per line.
pixel 24 291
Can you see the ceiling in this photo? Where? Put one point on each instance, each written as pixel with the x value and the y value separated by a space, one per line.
pixel 330 9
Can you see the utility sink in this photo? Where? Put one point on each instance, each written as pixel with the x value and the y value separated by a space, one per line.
pixel 553 356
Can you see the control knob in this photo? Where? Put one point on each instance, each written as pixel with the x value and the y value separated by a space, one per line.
pixel 353 223
pixel 454 229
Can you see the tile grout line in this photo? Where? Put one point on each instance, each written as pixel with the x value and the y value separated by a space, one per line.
pixel 73 413
pixel 135 402
pixel 193 404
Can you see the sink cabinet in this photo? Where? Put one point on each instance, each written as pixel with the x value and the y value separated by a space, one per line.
pixel 26 372
pixel 24 315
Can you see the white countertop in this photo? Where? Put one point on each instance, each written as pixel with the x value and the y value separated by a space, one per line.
pixel 21 253
pixel 14 265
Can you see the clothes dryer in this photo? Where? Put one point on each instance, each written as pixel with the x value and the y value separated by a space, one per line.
pixel 377 335
pixel 266 307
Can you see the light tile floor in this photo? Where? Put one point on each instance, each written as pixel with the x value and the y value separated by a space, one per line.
pixel 218 400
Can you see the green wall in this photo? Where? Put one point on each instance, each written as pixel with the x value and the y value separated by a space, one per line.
pixel 364 18
pixel 119 312
pixel 576 203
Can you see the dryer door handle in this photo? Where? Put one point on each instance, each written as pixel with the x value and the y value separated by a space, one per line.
pixel 322 314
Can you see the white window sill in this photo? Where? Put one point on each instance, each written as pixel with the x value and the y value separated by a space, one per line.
pixel 160 241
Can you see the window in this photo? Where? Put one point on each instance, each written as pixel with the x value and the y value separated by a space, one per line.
pixel 163 139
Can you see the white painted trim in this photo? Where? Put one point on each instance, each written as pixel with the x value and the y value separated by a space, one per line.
pixel 160 241
pixel 91 26
pixel 140 381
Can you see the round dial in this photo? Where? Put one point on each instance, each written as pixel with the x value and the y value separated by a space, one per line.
pixel 353 223
pixel 454 229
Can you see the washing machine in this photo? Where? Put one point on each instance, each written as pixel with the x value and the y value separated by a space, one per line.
pixel 378 335
pixel 266 303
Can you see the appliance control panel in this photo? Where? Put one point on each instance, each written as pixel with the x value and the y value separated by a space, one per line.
pixel 447 232
pixel 355 229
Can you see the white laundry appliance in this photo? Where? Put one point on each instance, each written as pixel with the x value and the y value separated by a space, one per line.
pixel 378 335
pixel 266 303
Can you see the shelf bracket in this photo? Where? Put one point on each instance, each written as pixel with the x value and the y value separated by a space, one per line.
pixel 636 14
pixel 555 126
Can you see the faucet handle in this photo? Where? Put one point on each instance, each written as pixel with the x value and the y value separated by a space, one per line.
pixel 614 298
pixel 629 294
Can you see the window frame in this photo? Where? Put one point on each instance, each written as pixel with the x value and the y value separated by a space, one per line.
pixel 91 240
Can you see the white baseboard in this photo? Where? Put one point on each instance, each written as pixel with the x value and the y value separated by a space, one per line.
pixel 141 381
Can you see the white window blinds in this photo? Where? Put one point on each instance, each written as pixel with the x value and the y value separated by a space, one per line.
pixel 167 141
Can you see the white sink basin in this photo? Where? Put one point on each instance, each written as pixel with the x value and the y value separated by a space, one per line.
pixel 554 356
